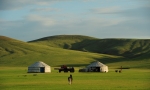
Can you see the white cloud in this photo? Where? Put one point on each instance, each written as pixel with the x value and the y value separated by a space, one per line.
pixel 108 10
pixel 45 21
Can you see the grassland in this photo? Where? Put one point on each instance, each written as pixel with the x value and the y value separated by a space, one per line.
pixel 15 78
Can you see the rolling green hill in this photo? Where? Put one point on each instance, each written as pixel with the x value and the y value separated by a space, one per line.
pixel 63 41
pixel 122 47
pixel 17 53
pixel 54 51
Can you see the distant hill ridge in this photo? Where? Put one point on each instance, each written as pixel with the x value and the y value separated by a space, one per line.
pixel 64 37
pixel 122 47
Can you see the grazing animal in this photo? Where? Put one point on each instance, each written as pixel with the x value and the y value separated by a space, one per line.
pixel 70 79
pixel 116 71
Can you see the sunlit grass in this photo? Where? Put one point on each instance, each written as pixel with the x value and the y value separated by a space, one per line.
pixel 16 78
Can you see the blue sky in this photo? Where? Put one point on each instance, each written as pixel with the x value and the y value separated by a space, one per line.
pixel 33 19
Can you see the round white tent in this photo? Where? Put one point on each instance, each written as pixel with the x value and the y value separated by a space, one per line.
pixel 39 67
pixel 97 67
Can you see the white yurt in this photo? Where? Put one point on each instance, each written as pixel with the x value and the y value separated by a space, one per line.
pixel 97 67
pixel 39 67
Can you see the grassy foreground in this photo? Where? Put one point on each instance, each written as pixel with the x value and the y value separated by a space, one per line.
pixel 16 78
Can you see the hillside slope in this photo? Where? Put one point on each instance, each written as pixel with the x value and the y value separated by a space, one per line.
pixel 63 41
pixel 17 53
pixel 130 48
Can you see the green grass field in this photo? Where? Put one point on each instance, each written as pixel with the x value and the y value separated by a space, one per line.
pixel 17 78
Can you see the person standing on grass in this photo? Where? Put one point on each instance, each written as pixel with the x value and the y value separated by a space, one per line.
pixel 70 79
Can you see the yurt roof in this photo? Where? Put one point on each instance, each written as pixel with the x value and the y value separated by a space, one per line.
pixel 96 64
pixel 39 64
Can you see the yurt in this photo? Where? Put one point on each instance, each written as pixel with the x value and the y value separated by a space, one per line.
pixel 39 67
pixel 97 67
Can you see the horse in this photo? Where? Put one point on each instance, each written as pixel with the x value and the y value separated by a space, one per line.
pixel 70 79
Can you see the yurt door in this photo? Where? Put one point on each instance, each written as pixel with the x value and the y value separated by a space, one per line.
pixel 42 69
pixel 98 69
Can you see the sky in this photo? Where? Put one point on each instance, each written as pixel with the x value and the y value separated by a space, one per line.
pixel 28 20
